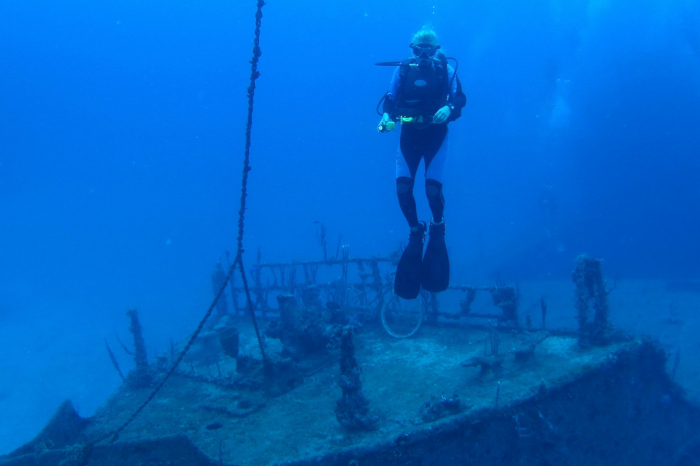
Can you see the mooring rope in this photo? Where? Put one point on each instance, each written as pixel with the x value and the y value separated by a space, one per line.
pixel 254 75
pixel 238 261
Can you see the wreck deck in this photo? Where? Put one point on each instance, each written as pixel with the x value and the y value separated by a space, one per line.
pixel 399 377
pixel 604 405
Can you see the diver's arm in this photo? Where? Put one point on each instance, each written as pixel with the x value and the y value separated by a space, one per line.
pixel 456 99
pixel 390 97
pixel 388 107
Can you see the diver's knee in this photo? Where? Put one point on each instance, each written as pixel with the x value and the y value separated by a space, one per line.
pixel 433 189
pixel 404 185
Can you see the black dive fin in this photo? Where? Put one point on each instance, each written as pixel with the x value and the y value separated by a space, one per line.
pixel 435 273
pixel 408 272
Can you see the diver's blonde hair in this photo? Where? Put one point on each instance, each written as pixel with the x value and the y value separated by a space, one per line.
pixel 425 36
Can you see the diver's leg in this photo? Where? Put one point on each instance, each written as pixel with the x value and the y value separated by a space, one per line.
pixel 406 168
pixel 435 272
pixel 404 191
pixel 433 190
pixel 408 271
pixel 434 174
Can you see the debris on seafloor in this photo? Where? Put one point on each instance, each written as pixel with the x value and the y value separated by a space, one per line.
pixel 523 351
pixel 507 299
pixel 115 363
pixel 121 343
pixel 490 360
pixel 352 409
pixel 543 308
pixel 486 363
pixel 141 376
pixel 438 408
pixel 591 291
pixel 214 426
pixel 306 330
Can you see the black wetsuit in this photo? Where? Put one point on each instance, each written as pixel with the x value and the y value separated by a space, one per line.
pixel 420 92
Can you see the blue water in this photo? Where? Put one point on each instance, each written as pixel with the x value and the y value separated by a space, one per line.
pixel 121 142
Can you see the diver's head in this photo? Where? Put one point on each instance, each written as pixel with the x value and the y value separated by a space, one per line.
pixel 424 46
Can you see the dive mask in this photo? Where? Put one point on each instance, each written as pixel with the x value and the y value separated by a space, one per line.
pixel 424 50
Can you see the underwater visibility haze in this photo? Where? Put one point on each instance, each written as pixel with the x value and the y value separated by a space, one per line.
pixel 121 143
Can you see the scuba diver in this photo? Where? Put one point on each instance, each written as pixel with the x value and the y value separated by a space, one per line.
pixel 424 96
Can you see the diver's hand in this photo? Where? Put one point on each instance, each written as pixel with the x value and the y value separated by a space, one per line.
pixel 442 115
pixel 382 127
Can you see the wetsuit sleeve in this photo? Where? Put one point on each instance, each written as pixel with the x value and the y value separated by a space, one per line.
pixel 392 93
pixel 456 97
